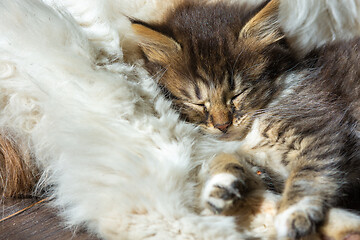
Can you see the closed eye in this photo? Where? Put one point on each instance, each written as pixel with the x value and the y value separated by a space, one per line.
pixel 234 102
pixel 199 104
pixel 234 97
pixel 237 95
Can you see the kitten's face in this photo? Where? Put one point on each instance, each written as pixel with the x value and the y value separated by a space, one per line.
pixel 220 73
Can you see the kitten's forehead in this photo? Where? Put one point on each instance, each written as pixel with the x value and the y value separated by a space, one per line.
pixel 212 75
pixel 223 63
pixel 208 89
pixel 209 34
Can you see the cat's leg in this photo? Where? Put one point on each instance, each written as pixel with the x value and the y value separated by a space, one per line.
pixel 229 179
pixel 309 191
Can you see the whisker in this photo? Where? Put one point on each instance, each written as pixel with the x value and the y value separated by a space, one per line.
pixel 236 60
pixel 160 74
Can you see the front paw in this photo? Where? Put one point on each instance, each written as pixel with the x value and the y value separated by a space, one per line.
pixel 221 192
pixel 298 220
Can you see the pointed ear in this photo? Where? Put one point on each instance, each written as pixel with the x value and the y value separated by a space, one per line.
pixel 156 46
pixel 264 26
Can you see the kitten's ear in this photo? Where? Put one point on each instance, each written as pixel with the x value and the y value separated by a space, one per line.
pixel 156 46
pixel 264 26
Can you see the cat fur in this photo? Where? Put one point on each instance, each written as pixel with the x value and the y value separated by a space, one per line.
pixel 82 121
pixel 198 47
pixel 100 136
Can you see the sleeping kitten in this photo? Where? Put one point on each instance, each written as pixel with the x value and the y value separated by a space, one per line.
pixel 228 69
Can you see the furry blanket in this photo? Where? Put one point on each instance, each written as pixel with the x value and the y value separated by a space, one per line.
pixel 109 150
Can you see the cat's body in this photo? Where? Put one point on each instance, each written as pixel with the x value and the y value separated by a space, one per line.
pixel 228 69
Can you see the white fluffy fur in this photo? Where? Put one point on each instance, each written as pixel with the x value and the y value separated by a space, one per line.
pixel 312 23
pixel 118 159
pixel 106 22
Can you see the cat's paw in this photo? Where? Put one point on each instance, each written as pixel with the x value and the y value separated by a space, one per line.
pixel 298 220
pixel 221 192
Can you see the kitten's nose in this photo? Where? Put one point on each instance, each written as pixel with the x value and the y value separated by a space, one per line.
pixel 223 127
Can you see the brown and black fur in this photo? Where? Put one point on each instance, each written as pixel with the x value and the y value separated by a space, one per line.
pixel 17 175
pixel 227 66
pixel 187 64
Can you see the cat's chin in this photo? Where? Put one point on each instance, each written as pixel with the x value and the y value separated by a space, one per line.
pixel 234 133
pixel 212 131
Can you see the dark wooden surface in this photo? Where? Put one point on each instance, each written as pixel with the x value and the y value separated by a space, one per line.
pixel 35 223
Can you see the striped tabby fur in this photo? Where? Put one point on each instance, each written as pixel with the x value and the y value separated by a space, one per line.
pixel 228 68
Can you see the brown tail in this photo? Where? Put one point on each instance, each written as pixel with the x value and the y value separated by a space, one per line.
pixel 17 176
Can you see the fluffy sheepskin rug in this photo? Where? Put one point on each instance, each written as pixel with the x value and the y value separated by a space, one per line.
pixel 111 153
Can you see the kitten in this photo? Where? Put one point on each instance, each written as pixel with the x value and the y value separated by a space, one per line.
pixel 228 69
pixel 110 152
